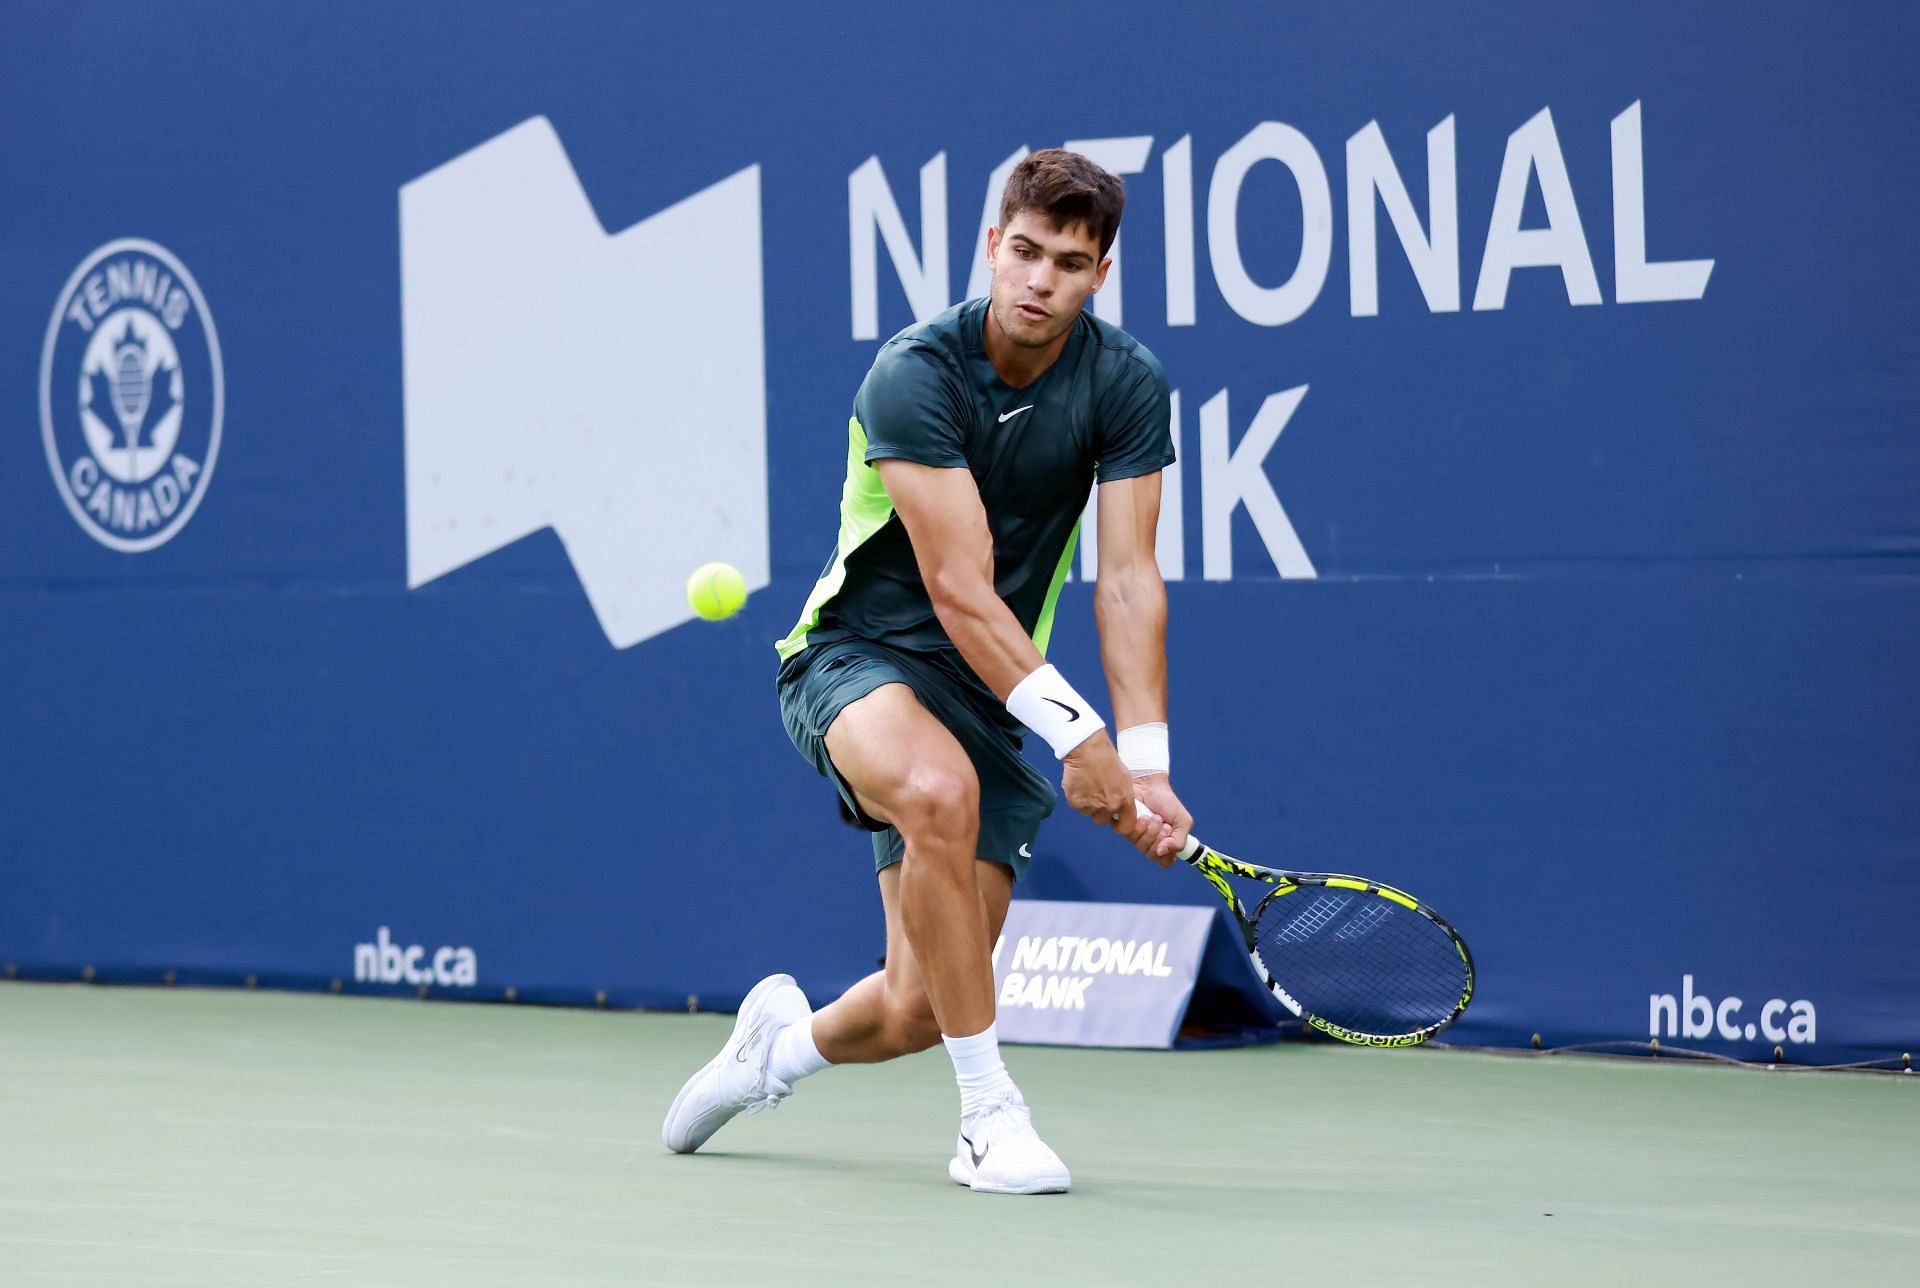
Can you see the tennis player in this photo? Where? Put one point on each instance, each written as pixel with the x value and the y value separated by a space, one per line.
pixel 920 656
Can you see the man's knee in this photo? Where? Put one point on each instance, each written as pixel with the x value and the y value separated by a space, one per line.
pixel 937 802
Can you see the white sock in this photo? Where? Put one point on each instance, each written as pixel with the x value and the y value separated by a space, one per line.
pixel 794 1054
pixel 977 1068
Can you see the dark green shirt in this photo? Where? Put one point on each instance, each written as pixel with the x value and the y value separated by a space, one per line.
pixel 1099 412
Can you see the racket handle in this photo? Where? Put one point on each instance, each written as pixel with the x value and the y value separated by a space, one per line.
pixel 1187 851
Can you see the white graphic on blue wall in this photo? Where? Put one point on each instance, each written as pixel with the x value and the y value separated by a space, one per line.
pixel 132 395
pixel 610 387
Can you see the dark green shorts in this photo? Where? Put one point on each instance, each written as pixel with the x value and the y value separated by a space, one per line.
pixel 821 679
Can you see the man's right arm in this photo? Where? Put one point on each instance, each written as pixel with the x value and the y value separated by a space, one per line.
pixel 951 543
pixel 953 547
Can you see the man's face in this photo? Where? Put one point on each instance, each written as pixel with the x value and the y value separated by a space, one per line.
pixel 1041 276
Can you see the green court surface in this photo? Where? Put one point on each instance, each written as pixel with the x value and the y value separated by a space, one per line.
pixel 169 1137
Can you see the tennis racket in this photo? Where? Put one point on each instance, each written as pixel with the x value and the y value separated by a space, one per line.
pixel 1357 960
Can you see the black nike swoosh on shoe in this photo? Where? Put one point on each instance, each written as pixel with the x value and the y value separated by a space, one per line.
pixel 979 1154
pixel 1073 713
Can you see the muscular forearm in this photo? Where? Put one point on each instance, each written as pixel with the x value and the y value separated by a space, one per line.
pixel 1131 610
pixel 985 631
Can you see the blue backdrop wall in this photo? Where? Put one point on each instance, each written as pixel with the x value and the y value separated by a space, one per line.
pixel 374 374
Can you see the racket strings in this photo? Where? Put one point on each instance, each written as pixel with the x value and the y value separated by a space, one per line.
pixel 1360 961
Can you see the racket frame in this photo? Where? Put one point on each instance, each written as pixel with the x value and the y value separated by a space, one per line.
pixel 1217 867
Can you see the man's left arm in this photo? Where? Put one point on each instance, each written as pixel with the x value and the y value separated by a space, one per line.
pixel 1130 608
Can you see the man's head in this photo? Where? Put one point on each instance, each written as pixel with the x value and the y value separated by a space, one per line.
pixel 1058 219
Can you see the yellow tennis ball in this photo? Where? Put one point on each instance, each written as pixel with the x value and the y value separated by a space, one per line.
pixel 716 591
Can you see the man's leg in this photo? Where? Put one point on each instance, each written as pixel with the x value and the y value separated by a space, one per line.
pixel 944 909
pixel 888 1013
pixel 906 769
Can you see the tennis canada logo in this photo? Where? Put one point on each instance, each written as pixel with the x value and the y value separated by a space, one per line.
pixel 131 395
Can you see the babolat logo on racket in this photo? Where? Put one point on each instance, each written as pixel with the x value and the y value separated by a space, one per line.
pixel 131 395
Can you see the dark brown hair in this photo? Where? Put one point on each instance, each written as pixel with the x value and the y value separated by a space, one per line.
pixel 1068 189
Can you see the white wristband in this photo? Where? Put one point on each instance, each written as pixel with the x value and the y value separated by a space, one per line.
pixel 1045 703
pixel 1143 748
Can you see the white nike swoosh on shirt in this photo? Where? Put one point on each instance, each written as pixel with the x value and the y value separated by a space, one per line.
pixel 1015 412
pixel 1025 853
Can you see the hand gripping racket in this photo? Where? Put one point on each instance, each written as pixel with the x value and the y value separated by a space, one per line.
pixel 1357 960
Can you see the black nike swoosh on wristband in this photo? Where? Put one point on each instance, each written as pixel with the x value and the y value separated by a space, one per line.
pixel 1072 714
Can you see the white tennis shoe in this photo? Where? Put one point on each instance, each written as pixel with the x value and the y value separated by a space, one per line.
pixel 1000 1153
pixel 736 1081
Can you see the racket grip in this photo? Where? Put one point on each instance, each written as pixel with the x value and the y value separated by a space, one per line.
pixel 1187 851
